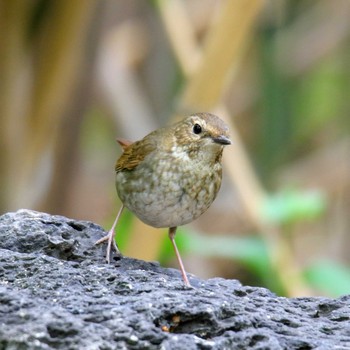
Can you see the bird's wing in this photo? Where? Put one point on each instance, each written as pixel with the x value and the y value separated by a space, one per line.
pixel 134 153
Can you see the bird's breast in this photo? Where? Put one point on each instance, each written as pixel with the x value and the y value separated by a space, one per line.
pixel 167 191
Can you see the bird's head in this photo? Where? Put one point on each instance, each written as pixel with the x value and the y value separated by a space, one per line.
pixel 202 135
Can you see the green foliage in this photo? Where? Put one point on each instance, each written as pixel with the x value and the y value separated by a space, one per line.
pixel 329 277
pixel 251 252
pixel 319 98
pixel 291 206
pixel 276 122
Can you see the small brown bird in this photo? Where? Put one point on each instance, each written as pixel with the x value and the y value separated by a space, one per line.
pixel 171 176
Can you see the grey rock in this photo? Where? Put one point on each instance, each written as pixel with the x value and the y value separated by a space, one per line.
pixel 56 292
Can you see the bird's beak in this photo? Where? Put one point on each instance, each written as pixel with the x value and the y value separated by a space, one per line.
pixel 222 140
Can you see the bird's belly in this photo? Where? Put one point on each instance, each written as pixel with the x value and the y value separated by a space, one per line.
pixel 162 201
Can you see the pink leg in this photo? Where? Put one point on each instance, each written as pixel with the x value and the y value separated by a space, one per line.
pixel 172 232
pixel 110 237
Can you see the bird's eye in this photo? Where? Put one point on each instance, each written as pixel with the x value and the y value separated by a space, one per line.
pixel 197 129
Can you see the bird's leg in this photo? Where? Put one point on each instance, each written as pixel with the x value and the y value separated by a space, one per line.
pixel 110 237
pixel 172 232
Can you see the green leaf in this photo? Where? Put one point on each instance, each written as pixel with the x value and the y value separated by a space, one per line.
pixel 290 206
pixel 329 277
pixel 251 251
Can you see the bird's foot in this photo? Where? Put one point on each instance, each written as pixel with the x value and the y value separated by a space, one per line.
pixel 110 239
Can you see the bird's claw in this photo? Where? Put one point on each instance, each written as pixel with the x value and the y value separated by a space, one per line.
pixel 110 239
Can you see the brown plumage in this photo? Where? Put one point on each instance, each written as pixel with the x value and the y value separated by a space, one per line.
pixel 171 176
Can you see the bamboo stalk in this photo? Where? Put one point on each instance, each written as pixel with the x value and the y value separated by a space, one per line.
pixel 14 17
pixel 221 54
pixel 59 59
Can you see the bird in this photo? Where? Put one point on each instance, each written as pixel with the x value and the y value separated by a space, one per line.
pixel 171 176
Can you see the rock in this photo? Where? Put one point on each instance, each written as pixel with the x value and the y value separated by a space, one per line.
pixel 56 292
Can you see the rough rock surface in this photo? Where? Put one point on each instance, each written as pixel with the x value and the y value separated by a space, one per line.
pixel 56 292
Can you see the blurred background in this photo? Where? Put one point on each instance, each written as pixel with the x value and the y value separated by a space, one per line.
pixel 74 75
